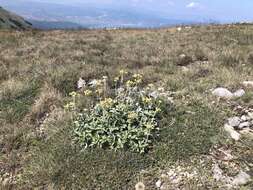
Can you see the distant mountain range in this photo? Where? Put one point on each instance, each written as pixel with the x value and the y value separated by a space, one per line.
pixel 52 16
pixel 9 20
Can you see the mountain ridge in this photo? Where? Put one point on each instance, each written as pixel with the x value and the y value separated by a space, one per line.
pixel 9 20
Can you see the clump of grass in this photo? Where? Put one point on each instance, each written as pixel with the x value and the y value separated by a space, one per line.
pixel 15 103
pixel 193 130
pixel 61 165
pixel 47 100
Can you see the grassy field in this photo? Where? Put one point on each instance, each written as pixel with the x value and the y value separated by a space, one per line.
pixel 38 70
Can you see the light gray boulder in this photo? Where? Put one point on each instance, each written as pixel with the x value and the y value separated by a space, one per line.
pixel 241 179
pixel 248 84
pixel 239 93
pixel 81 83
pixel 223 93
pixel 244 125
pixel 232 132
pixel 234 121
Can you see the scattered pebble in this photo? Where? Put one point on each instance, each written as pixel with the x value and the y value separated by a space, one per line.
pixel 81 83
pixel 158 184
pixel 248 84
pixel 239 93
pixel 244 125
pixel 227 94
pixel 222 93
pixel 244 118
pixel 241 179
pixel 232 132
pixel 217 172
pixel 234 121
pixel 140 186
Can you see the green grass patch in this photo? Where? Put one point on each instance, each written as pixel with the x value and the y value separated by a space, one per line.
pixel 188 130
pixel 58 163
pixel 13 110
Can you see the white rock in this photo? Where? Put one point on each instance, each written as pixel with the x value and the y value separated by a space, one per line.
pixel 217 173
pixel 158 184
pixel 154 94
pixel 239 93
pixel 140 186
pixel 250 114
pixel 233 134
pixel 244 118
pixel 179 29
pixel 93 83
pixel 223 93
pixel 234 121
pixel 81 83
pixel 244 125
pixel 248 84
pixel 241 179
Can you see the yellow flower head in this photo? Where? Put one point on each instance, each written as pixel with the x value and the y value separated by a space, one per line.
pixel 158 110
pixel 87 92
pixel 73 94
pixel 132 115
pixel 137 76
pixel 130 83
pixel 70 106
pixel 147 100
pixel 106 103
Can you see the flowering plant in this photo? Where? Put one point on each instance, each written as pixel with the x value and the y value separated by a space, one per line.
pixel 128 120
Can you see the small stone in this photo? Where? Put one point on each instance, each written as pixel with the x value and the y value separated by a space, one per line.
pixel 81 83
pixel 217 172
pixel 244 125
pixel 241 179
pixel 250 114
pixel 140 186
pixel 248 84
pixel 239 93
pixel 234 121
pixel 244 118
pixel 154 94
pixel 93 83
pixel 233 134
pixel 158 184
pixel 223 93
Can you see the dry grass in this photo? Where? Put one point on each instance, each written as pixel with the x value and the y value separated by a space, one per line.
pixel 38 70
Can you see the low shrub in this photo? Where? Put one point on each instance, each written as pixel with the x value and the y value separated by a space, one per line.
pixel 128 120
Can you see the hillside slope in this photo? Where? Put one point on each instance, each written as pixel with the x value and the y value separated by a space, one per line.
pixel 39 75
pixel 9 20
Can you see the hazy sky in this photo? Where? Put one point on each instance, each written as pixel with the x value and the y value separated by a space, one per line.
pixel 224 10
